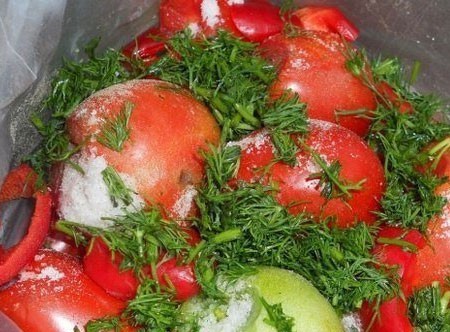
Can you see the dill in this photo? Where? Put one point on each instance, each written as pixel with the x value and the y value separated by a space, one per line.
pixel 276 317
pixel 115 132
pixel 106 324
pixel 410 200
pixel 429 309
pixel 117 189
pixel 74 82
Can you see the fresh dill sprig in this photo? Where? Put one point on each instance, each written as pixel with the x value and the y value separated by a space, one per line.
pixel 117 189
pixel 228 75
pixel 337 261
pixel 410 199
pixel 139 236
pixel 106 324
pixel 276 317
pixel 329 180
pixel 429 309
pixel 74 82
pixel 153 308
pixel 115 132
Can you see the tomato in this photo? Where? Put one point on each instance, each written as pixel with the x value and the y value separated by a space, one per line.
pixel 398 247
pixel 180 277
pixel 433 260
pixel 256 20
pixel 20 182
pixel 104 268
pixel 393 97
pixel 168 129
pixel 146 47
pixel 299 189
pixel 328 19
pixel 52 294
pixel 392 317
pixel 177 15
pixel 312 64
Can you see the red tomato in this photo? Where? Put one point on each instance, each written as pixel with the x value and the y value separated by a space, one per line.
pixel 312 65
pixel 398 255
pixel 180 277
pixel 20 182
pixel 146 47
pixel 391 96
pixel 104 268
pixel 177 15
pixel 392 317
pixel 300 192
pixel 256 20
pixel 168 128
pixel 327 19
pixel 216 15
pixel 53 294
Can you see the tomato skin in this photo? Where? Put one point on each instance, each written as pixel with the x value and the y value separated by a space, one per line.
pixel 168 156
pixel 393 317
pixel 20 182
pixel 327 19
pixel 105 272
pixel 391 96
pixel 256 20
pixel 58 302
pixel 312 65
pixel 177 15
pixel 301 193
pixel 180 276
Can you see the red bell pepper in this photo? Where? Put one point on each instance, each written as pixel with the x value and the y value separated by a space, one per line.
pixel 12 260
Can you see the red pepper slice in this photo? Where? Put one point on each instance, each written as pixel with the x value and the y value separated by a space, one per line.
pixel 14 259
pixel 147 47
pixel 20 182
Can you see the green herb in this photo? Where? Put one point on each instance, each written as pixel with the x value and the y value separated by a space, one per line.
pixel 115 132
pixel 332 185
pixel 106 324
pixel 337 261
pixel 228 75
pixel 429 309
pixel 410 199
pixel 74 82
pixel 117 189
pixel 139 236
pixel 276 317
pixel 152 308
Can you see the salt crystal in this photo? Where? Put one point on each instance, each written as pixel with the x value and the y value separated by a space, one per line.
pixel 235 2
pixel 48 272
pixel 184 203
pixel 352 323
pixel 210 12
pixel 85 198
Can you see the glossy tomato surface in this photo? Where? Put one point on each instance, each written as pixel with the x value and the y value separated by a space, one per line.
pixel 177 15
pixel 391 317
pixel 313 65
pixel 298 186
pixel 52 294
pixel 168 129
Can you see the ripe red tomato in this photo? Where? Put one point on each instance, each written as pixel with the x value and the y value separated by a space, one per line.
pixel 104 268
pixel 256 20
pixel 179 276
pixel 392 317
pixel 327 19
pixel 52 294
pixel 312 64
pixel 177 15
pixel 298 187
pixel 168 128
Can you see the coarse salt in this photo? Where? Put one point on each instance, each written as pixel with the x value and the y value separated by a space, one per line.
pixel 210 12
pixel 48 272
pixel 184 203
pixel 84 197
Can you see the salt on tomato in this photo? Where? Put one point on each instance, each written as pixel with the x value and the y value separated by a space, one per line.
pixel 313 65
pixel 297 186
pixel 52 294
pixel 177 15
pixel 168 128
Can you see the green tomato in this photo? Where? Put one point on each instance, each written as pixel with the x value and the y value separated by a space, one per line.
pixel 244 311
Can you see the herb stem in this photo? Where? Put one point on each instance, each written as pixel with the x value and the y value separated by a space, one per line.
pixel 398 242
